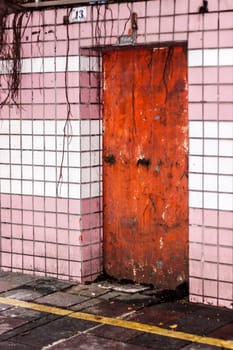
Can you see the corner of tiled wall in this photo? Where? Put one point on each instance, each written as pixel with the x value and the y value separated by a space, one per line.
pixel 62 235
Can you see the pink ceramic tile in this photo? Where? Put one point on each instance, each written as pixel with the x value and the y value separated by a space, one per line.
pixel 39 234
pixel 26 96
pixel 39 218
pixel 211 39
pixel 210 253
pixel 38 96
pixel 38 111
pixel 166 24
pixel 210 75
pixel 195 40
pixel 27 202
pixel 63 267
pixel 181 23
pixel 28 232
pixel 211 21
pixel 49 112
pixel 195 93
pixel 196 285
pixel 73 79
pixel 85 95
pixel 225 38
pixel 210 288
pixel 210 235
pixel 6 245
pixel 50 219
pixel 75 222
pixel 6 230
pixel 49 96
pixel 75 269
pixel 225 255
pixel 39 248
pixel 95 251
pixel 39 264
pixel 62 236
pixel 74 206
pixel 181 6
pixel 226 219
pixel 226 93
pixel 152 25
pixel 225 290
pixel 17 246
pixel 210 301
pixel 26 82
pixel 225 273
pixel 90 221
pixel 96 266
pixel 91 205
pixel 16 201
pixel 210 270
pixel 27 217
pixel 62 220
pixel 225 303
pixel 5 200
pixel 16 216
pixel 226 75
pixel 210 217
pixel 74 238
pixel 195 75
pixel 6 215
pixel 51 250
pixel 28 247
pixel 226 238
pixel 210 93
pixel 166 37
pixel 225 111
pixel 225 20
pixel 75 253
pixel 195 251
pixel 195 111
pixel 210 111
pixel 195 216
pixel 60 14
pixel 28 263
pixel 50 234
pixel 50 204
pixel 195 298
pixel 195 268
pixel 86 269
pixel 49 48
pixel 181 36
pixel 17 261
pixel 63 252
pixel 6 260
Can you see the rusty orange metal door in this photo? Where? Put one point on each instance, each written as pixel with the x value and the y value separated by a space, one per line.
pixel 145 165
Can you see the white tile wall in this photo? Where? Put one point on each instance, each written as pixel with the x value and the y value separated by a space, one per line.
pixel 195 199
pixel 225 166
pixel 195 164
pixel 195 182
pixel 196 146
pixel 210 57
pixel 32 164
pixel 210 129
pixel 211 165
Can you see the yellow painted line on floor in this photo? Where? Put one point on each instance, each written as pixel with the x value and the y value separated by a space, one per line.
pixel 120 323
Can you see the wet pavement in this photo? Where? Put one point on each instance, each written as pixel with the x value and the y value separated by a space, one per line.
pixel 45 313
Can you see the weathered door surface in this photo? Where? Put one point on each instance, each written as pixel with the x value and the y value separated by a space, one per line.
pixel 145 165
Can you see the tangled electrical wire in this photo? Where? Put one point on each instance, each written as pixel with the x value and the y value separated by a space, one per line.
pixel 10 56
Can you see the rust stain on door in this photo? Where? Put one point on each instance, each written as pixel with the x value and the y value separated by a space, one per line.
pixel 145 165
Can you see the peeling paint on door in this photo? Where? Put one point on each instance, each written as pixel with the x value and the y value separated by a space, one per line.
pixel 145 188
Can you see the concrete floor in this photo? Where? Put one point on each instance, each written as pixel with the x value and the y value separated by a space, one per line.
pixel 45 313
